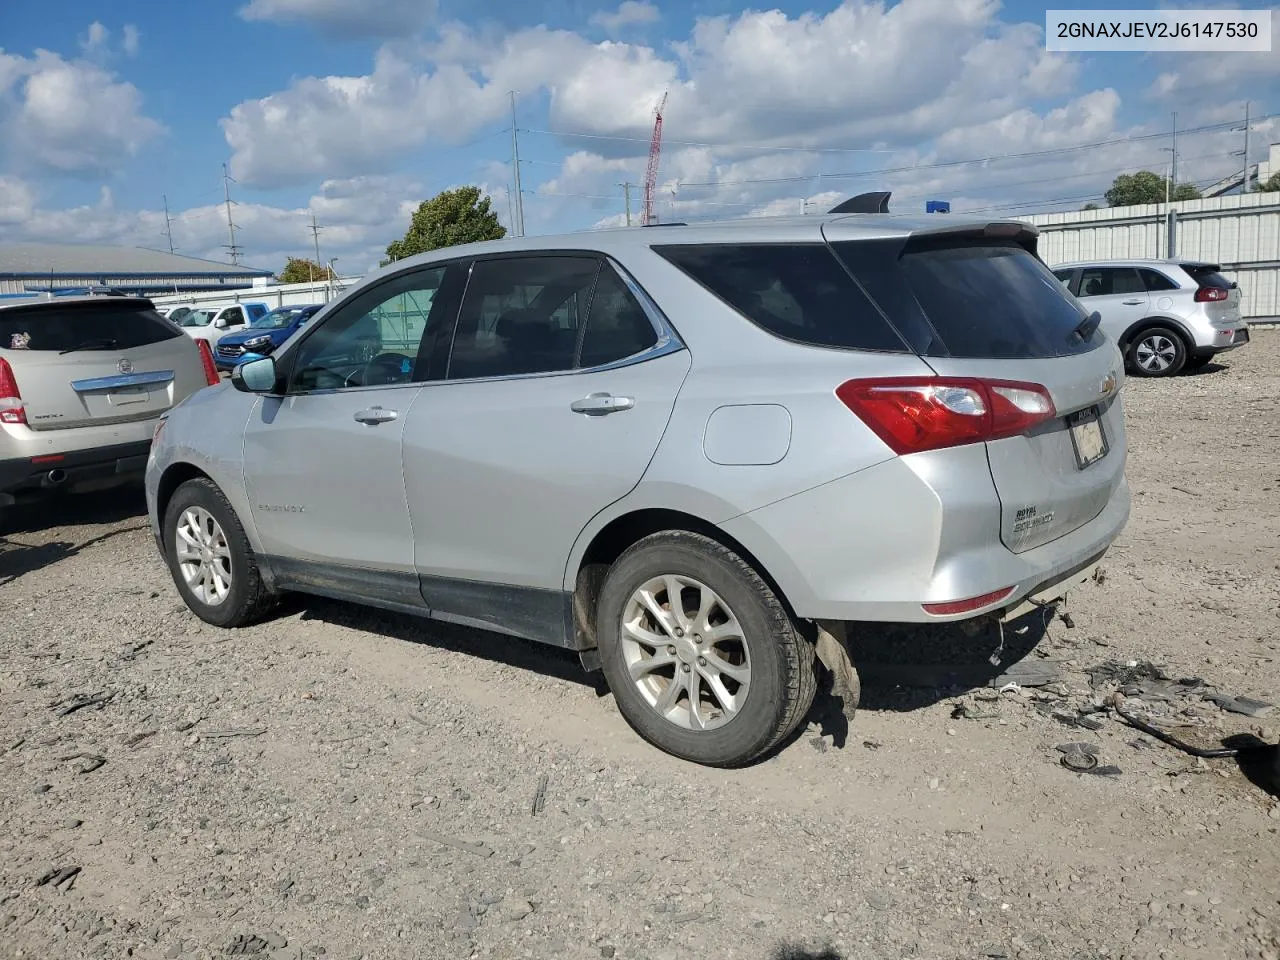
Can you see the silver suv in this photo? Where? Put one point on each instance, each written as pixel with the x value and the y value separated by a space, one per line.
pixel 83 382
pixel 686 452
pixel 1166 315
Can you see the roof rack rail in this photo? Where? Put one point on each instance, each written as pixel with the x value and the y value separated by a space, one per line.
pixel 877 202
pixel 672 223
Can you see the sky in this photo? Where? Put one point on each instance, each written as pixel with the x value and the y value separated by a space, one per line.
pixel 354 111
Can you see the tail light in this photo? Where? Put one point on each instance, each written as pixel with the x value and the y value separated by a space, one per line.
pixel 1211 294
pixel 913 414
pixel 206 359
pixel 12 409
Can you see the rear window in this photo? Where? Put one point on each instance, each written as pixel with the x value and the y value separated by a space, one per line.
pixel 1207 275
pixel 107 325
pixel 798 292
pixel 971 299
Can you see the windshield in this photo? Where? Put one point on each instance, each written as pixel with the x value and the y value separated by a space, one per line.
pixel 197 318
pixel 177 313
pixel 276 319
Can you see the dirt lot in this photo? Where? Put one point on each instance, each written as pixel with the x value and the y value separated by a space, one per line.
pixel 347 783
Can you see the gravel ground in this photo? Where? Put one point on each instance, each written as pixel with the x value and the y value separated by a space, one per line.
pixel 346 783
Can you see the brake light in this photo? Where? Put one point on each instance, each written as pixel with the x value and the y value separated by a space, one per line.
pixel 914 414
pixel 206 359
pixel 1211 294
pixel 952 607
pixel 12 409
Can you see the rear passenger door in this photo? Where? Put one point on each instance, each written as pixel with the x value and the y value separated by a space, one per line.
pixel 559 385
pixel 1118 294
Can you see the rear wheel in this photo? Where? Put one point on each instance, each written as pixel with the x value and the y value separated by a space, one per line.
pixel 703 659
pixel 210 559
pixel 1157 352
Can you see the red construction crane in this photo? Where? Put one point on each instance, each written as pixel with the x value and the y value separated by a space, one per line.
pixel 651 173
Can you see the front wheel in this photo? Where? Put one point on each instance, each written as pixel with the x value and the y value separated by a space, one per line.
pixel 210 559
pixel 703 659
pixel 1157 352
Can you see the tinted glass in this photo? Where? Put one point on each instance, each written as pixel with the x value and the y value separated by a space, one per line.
pixel 795 291
pixel 521 315
pixel 1208 276
pixel 233 316
pixel 374 339
pixel 108 326
pixel 616 323
pixel 1155 280
pixel 970 298
pixel 1110 281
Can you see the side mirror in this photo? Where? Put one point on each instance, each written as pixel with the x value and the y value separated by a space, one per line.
pixel 221 323
pixel 255 376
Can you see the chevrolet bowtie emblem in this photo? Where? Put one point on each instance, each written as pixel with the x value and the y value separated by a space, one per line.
pixel 1109 385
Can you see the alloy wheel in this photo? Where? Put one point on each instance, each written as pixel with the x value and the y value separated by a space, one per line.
pixel 685 652
pixel 204 557
pixel 1156 353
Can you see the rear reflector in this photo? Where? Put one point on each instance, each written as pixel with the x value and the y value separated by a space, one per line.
pixel 914 414
pixel 12 409
pixel 952 607
pixel 206 359
pixel 50 458
pixel 1211 294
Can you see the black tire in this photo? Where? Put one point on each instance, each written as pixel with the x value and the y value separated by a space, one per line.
pixel 783 680
pixel 1164 344
pixel 248 598
pixel 1198 362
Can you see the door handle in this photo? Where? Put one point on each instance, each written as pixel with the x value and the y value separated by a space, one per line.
pixel 598 404
pixel 375 415
pixel 1132 303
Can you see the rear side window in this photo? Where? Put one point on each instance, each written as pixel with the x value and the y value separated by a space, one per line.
pixel 1154 280
pixel 969 298
pixel 1110 281
pixel 617 326
pixel 106 325
pixel 1206 275
pixel 798 292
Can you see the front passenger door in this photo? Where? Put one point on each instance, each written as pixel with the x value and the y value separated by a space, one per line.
pixel 1118 294
pixel 322 461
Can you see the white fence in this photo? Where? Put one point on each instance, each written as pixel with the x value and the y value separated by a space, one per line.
pixel 276 295
pixel 1240 232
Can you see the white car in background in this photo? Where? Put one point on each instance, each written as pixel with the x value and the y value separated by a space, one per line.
pixel 212 322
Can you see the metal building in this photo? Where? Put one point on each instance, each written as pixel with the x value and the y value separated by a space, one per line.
pixel 30 268
pixel 1241 232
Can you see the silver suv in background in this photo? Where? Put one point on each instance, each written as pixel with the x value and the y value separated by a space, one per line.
pixel 683 451
pixel 1166 315
pixel 83 382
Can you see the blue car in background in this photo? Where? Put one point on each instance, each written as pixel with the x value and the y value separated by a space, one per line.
pixel 263 335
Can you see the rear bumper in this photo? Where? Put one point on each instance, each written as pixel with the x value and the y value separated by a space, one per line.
pixel 1224 340
pixel 878 544
pixel 102 466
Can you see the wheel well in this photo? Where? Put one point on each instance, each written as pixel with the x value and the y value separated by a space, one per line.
pixel 174 477
pixel 1188 342
pixel 618 535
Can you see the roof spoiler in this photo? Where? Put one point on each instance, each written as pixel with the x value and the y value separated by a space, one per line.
pixel 877 202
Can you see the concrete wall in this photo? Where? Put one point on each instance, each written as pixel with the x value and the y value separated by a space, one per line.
pixel 1240 232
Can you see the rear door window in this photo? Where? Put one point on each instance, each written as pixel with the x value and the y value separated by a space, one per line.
pixel 1110 281
pixel 974 298
pixel 106 325
pixel 617 326
pixel 795 291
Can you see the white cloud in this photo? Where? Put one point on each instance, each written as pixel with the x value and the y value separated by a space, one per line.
pixel 69 115
pixel 94 42
pixel 629 13
pixel 16 200
pixel 1201 78
pixel 359 18
pixel 130 41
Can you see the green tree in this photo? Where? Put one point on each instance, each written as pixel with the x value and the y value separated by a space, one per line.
pixel 1147 187
pixel 449 218
pixel 302 270
pixel 1270 185
pixel 1090 206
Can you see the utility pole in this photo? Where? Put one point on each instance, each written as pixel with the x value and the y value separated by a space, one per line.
pixel 232 248
pixel 515 169
pixel 1244 184
pixel 1174 175
pixel 626 193
pixel 315 233
pixel 168 220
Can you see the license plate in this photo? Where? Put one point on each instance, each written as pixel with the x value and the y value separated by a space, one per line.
pixel 1087 437
pixel 128 395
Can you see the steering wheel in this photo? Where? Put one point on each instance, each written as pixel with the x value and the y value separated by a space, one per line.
pixel 387 368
